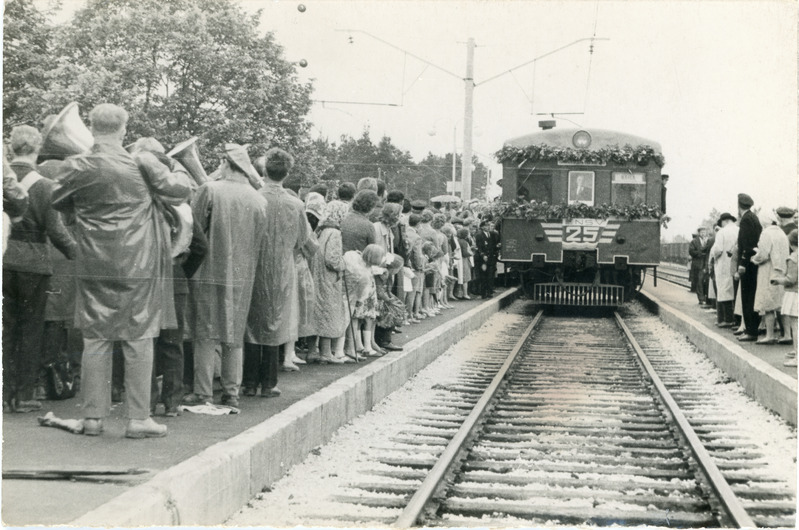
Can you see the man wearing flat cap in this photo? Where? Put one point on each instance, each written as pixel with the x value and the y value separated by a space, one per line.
pixel 785 218
pixel 748 236
pixel 418 206
pixel 721 252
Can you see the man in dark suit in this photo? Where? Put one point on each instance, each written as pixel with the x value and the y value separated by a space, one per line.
pixel 582 192
pixel 485 259
pixel 697 249
pixel 748 236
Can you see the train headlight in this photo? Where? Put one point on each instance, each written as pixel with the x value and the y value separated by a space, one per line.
pixel 620 240
pixel 581 139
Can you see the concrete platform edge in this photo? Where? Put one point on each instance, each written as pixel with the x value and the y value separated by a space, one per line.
pixel 765 384
pixel 209 487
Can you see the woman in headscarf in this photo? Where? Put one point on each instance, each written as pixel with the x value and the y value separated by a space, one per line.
pixel 770 258
pixel 330 309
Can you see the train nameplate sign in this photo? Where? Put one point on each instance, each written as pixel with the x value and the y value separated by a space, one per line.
pixel 580 234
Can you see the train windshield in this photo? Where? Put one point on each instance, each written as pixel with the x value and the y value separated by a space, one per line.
pixel 628 189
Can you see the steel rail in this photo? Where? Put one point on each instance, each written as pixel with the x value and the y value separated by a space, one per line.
pixel 413 510
pixel 726 496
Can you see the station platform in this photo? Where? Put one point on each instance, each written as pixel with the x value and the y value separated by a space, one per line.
pixel 209 466
pixel 758 368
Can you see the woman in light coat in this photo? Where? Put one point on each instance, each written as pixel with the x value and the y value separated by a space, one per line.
pixel 330 310
pixel 772 253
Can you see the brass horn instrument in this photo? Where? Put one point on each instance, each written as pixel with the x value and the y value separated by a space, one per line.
pixel 187 154
pixel 66 135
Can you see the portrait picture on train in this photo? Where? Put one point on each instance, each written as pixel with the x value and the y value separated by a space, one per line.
pixel 581 187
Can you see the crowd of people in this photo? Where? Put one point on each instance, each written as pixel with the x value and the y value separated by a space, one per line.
pixel 101 273
pixel 747 272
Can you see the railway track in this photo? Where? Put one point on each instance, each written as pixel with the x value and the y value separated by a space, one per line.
pixel 571 433
pixel 676 275
pixel 559 422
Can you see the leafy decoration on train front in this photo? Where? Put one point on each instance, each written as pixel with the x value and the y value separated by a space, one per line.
pixel 626 154
pixel 543 210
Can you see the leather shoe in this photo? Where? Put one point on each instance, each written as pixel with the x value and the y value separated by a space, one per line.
pixel 230 401
pixel 746 338
pixel 270 392
pixel 738 332
pixel 196 399
pixel 92 426
pixel 145 429
pixel 389 347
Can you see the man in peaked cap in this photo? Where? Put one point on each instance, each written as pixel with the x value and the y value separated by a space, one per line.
pixel 748 236
pixel 418 205
pixel 785 218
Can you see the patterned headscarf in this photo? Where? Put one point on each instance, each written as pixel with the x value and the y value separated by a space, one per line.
pixel 335 212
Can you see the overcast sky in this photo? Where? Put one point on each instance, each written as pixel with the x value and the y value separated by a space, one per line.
pixel 714 82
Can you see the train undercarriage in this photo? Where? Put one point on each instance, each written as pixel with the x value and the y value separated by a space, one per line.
pixel 579 280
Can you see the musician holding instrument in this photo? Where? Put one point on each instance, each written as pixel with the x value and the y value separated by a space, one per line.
pixel 124 266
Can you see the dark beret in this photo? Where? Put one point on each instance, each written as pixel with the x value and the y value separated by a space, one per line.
pixel 745 201
pixel 725 216
pixel 785 212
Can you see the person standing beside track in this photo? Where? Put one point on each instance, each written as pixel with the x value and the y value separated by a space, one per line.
pixel 273 321
pixel 124 265
pixel 232 214
pixel 27 269
pixel 722 255
pixel 486 254
pixel 770 257
pixel 698 252
pixel 748 235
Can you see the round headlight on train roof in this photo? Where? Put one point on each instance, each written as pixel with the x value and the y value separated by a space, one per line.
pixel 581 139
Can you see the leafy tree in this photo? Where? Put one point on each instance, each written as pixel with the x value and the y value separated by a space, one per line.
pixel 181 68
pixel 27 59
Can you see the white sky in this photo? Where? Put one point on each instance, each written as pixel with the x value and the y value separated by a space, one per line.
pixel 714 82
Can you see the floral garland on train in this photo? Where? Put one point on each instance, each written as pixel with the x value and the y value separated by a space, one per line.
pixel 626 154
pixel 542 210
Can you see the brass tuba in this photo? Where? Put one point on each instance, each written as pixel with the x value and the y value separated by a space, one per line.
pixel 66 135
pixel 187 154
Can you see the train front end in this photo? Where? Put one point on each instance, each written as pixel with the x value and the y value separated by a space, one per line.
pixel 582 214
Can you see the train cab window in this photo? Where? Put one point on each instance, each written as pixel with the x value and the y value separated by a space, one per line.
pixel 628 189
pixel 581 187
pixel 534 186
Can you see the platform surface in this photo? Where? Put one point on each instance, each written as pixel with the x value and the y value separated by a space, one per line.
pixel 26 445
pixel 681 299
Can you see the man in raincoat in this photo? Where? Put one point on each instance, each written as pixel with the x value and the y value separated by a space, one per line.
pixel 726 239
pixel 124 266
pixel 274 312
pixel 233 216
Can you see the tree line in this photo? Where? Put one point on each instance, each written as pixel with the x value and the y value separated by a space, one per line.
pixel 185 68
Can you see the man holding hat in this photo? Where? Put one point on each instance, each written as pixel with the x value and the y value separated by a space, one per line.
pixel 748 236
pixel 721 252
pixel 233 215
